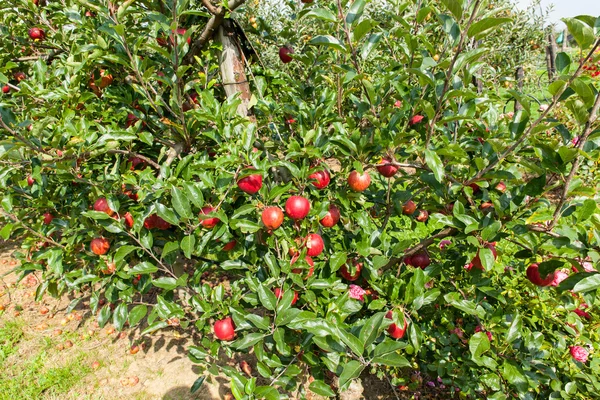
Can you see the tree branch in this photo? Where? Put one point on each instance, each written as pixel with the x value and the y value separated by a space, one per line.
pixel 39 235
pixel 575 167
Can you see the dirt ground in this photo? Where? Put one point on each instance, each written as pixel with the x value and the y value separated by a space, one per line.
pixel 76 359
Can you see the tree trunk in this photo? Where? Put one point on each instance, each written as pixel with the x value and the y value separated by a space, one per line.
pixel 232 66
pixel 519 76
pixel 551 57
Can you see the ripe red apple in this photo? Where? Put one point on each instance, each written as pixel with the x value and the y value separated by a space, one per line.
pixel 250 184
pixel 48 218
pixel 208 223
pixel 181 31
pixel 272 217
pixel 320 179
pixel 224 329
pixel 99 246
pixel 501 187
pixel 36 34
pixel 310 262
pixel 423 216
pixel 101 205
pixel 345 271
pixel 131 120
pixel 415 119
pixel 394 330
pixel 358 182
pixel 533 274
pixel 420 260
pixel 297 207
pixel 409 208
pixel 475 187
pixel 477 261
pixel 5 89
pixel 30 180
pixel 485 205
pixel 135 162
pixel 284 54
pixel 279 295
pixel 154 221
pixel 229 246
pixel 386 169
pixel 314 244
pixel 19 76
pixel 332 217
pixel 128 220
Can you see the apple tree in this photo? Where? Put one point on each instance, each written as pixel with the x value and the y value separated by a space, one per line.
pixel 351 198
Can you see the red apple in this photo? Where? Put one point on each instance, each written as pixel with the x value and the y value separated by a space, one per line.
pixel 415 119
pixel 250 184
pixel 332 217
pixel 477 261
pixel 19 76
pixel 154 221
pixel 297 207
pixel 345 271
pixel 395 331
pixel 420 260
pixel 314 244
pixel 5 89
pixel 310 262
pixel 358 182
pixel 409 208
pixel 100 246
pixel 501 187
pixel 48 218
pixel 181 31
pixel 101 205
pixel 208 223
pixel 224 329
pixel 475 187
pixel 386 169
pixel 128 220
pixel 284 54
pixel 131 120
pixel 423 216
pixel 272 217
pixel 36 34
pixel 135 162
pixel 533 274
pixel 279 295
pixel 229 246
pixel 320 179
pixel 30 180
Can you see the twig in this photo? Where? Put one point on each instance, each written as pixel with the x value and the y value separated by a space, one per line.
pixel 438 108
pixel 424 244
pixel 582 140
pixel 39 235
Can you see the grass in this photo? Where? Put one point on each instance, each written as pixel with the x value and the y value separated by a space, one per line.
pixel 37 376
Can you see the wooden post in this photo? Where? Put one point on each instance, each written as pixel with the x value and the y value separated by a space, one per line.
pixel 519 76
pixel 551 57
pixel 232 66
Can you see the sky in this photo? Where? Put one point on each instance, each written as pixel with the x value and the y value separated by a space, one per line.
pixel 566 8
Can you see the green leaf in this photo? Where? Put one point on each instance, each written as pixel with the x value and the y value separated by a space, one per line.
pixel 120 316
pixel 136 314
pixel 370 44
pixel 514 332
pixel 143 268
pixel 351 341
pixel 434 162
pixel 337 260
pixel 321 388
pixel 187 245
pixel 388 346
pixel 478 344
pixel 563 62
pixel 587 284
pixel 351 371
pixel 370 330
pixel 356 11
pixel 180 203
pixel 154 327
pixel 197 384
pixel 248 340
pixel 455 7
pixel 329 41
pixel 167 214
pixel 104 315
pixel 122 252
pixel 582 32
pixel 266 392
pixel 484 27
pixel 322 14
pixel 267 297
pixel 392 360
pixel 487 258
pixel 165 282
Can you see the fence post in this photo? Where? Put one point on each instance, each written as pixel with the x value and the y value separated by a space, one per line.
pixel 551 57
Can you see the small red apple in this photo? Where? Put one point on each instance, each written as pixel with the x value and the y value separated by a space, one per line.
pixel 386 169
pixel 181 31
pixel 208 223
pixel 224 329
pixel 154 221
pixel 320 179
pixel 99 246
pixel 5 89
pixel 310 262
pixel 501 187
pixel 533 274
pixel 358 182
pixel 394 330
pixel 19 76
pixel 284 54
pixel 477 261
pixel 314 244
pixel 272 217
pixel 128 220
pixel 332 217
pixel 36 34
pixel 423 216
pixel 30 180
pixel 409 208
pixel 345 271
pixel 420 260
pixel 48 218
pixel 229 246
pixel 297 207
pixel 475 187
pixel 279 295
pixel 101 205
pixel 250 184
pixel 135 162
pixel 415 119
